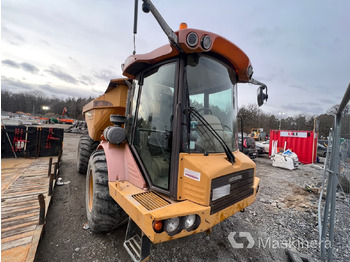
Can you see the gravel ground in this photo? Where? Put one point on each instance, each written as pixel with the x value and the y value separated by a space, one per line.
pixel 283 217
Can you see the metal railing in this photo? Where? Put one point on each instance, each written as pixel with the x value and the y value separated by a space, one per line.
pixel 332 168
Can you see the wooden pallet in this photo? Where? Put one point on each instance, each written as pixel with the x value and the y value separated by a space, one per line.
pixel 22 180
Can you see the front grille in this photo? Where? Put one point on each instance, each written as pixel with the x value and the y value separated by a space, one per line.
pixel 241 186
pixel 150 200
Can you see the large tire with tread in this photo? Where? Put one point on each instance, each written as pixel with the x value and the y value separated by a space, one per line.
pixel 103 213
pixel 85 148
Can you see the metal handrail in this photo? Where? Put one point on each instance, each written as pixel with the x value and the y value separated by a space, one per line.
pixel 329 211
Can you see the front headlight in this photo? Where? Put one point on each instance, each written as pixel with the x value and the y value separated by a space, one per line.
pixel 189 221
pixel 172 225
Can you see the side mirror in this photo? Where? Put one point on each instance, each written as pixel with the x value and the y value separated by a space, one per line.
pixel 261 95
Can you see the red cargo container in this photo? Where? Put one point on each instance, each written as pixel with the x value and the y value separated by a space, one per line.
pixel 300 142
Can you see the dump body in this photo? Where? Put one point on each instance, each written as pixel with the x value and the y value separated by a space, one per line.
pixel 98 111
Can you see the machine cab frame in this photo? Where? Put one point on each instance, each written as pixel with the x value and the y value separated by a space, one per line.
pixel 159 127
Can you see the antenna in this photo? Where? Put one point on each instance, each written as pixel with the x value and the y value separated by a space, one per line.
pixel 135 23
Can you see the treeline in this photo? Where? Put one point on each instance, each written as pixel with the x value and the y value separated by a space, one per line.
pixel 254 117
pixel 33 102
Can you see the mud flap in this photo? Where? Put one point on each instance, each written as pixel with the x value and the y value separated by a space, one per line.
pixel 136 243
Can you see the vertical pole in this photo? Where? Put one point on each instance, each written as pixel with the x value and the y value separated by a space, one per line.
pixel 51 183
pixel 333 181
pixel 59 157
pixel 55 170
pixel 135 15
pixel 323 227
pixel 41 199
pixel 335 168
pixel 135 24
pixel 313 141
pixel 325 216
pixel 50 166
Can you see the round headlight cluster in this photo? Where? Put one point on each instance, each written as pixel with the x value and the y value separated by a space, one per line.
pixel 176 224
pixel 206 42
pixel 192 39
pixel 189 221
pixel 172 225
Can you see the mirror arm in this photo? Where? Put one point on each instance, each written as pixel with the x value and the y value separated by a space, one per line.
pixel 256 82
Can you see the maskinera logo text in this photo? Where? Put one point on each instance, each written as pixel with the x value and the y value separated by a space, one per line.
pixel 239 240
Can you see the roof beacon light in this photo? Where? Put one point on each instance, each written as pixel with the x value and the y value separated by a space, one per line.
pixel 192 39
pixel 183 26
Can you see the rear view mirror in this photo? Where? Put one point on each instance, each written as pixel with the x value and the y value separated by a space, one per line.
pixel 261 95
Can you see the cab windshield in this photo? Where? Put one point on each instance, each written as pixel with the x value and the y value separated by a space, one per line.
pixel 211 90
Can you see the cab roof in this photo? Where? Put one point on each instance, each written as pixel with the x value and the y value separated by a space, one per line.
pixel 221 46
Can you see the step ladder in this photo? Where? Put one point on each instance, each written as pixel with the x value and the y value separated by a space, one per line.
pixel 136 243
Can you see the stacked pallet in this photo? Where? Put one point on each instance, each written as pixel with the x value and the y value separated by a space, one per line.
pixel 22 180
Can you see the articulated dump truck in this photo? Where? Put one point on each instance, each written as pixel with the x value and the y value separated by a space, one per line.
pixel 163 142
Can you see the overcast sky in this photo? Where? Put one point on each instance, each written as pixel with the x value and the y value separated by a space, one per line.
pixel 300 49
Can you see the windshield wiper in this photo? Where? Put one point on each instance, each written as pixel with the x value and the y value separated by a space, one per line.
pixel 229 154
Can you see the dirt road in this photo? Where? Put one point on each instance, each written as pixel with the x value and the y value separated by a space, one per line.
pixel 284 216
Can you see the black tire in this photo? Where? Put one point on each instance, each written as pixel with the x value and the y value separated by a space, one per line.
pixel 103 213
pixel 85 148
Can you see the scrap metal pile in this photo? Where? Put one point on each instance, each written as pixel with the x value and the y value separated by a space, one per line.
pixel 78 127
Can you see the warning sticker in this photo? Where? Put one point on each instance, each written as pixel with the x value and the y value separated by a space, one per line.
pixel 293 134
pixel 192 174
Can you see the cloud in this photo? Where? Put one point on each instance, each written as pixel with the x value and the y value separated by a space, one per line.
pixel 85 80
pixel 25 66
pixel 297 86
pixel 105 74
pixel 72 59
pixel 312 108
pixel 45 42
pixel 10 63
pixel 327 101
pixel 16 40
pixel 10 35
pixel 68 92
pixel 29 68
pixel 14 85
pixel 62 75
pixel 11 84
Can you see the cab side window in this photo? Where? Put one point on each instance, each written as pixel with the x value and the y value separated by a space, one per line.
pixel 153 127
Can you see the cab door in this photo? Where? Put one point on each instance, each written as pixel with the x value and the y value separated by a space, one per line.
pixel 153 123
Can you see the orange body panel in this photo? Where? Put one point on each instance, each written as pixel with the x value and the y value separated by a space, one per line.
pixel 194 195
pixel 209 167
pixel 122 193
pixel 136 63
